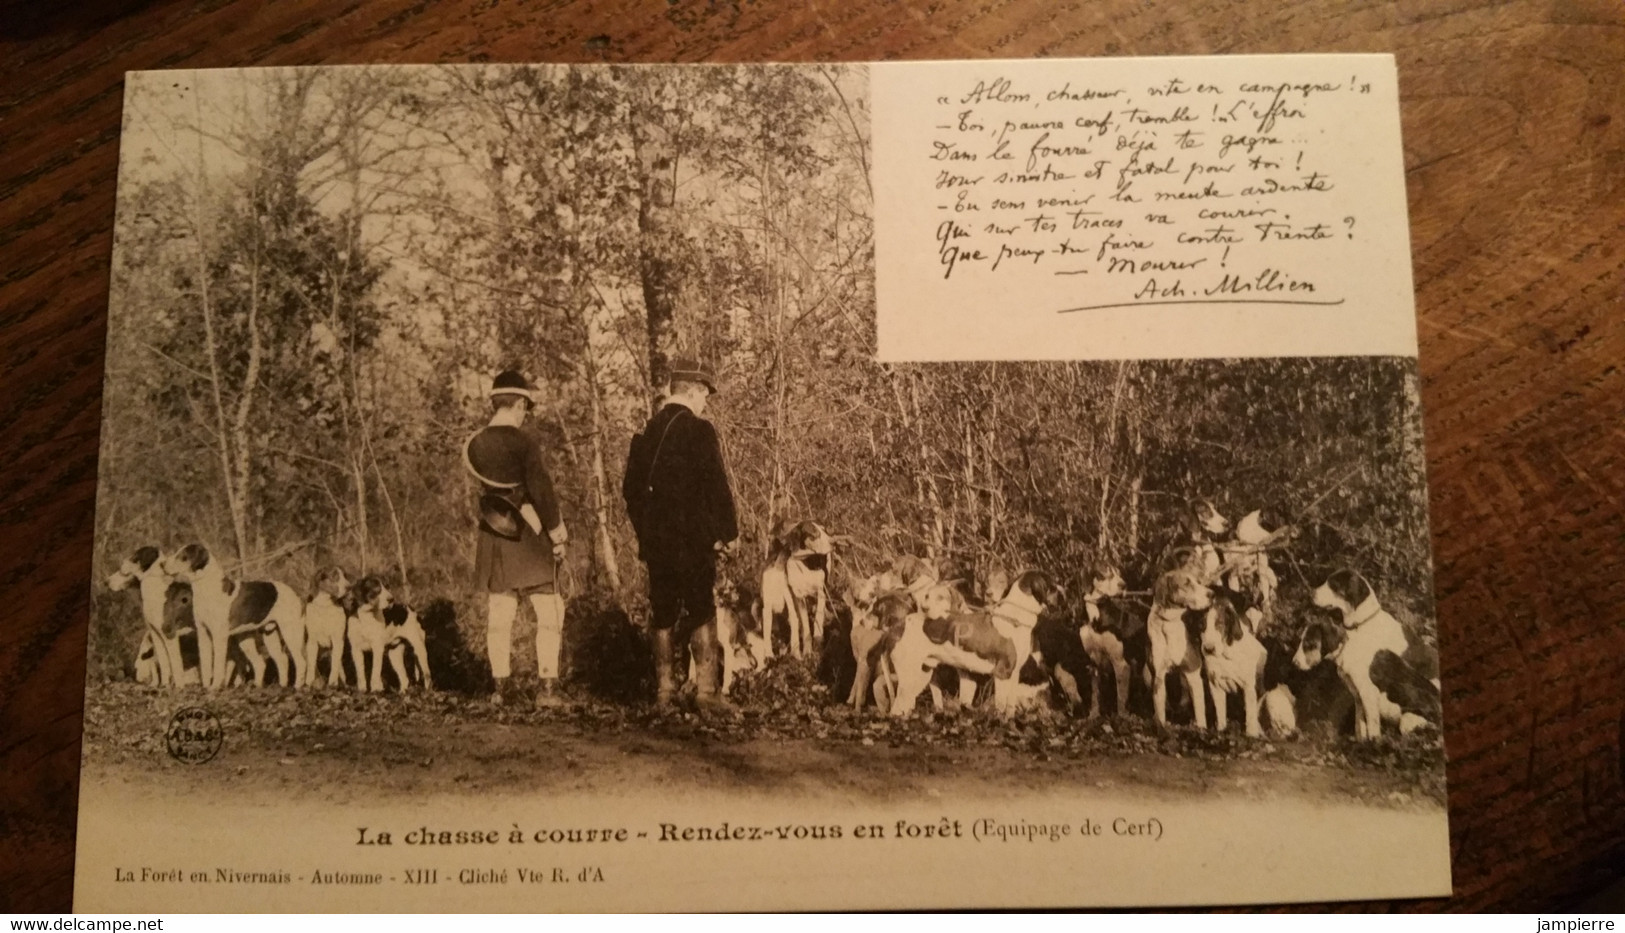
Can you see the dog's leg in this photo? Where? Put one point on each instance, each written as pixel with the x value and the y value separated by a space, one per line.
pixel 885 686
pixel 818 620
pixel 967 691
pixel 794 613
pixel 335 660
pixel 420 653
pixel 1249 697
pixel 1221 707
pixel 313 652
pixel 1121 672
pixel 1193 680
pixel 211 657
pixel 1069 688
pixel 375 664
pixel 397 663
pixel 911 679
pixel 1159 694
pixel 358 658
pixel 1094 692
pixel 167 667
pixel 279 653
pixel 255 661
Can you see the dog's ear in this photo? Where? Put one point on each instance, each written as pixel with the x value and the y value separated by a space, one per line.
pixel 1230 621
pixel 144 557
pixel 1036 583
pixel 194 556
pixel 1166 589
pixel 1349 587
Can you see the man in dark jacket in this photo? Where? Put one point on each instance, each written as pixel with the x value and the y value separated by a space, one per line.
pixel 521 537
pixel 677 495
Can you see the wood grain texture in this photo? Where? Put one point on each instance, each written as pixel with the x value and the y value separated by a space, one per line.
pixel 1514 124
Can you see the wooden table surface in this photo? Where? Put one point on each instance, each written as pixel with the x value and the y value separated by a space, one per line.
pixel 1514 127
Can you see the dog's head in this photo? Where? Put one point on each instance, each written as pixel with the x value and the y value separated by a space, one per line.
pixel 188 562
pixel 1181 589
pixel 910 571
pixel 1223 626
pixel 1206 521
pixel 862 593
pixel 1259 525
pixel 892 611
pixel 995 585
pixel 369 592
pixel 1106 580
pixel 138 565
pixel 938 601
pixel 1321 639
pixel 332 581
pixel 1344 591
pixel 1038 585
pixel 178 606
pixel 808 537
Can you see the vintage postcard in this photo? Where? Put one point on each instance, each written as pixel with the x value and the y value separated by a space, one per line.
pixel 762 487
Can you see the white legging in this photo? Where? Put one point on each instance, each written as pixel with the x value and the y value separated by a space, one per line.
pixel 502 609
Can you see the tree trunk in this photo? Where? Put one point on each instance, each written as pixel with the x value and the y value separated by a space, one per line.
pixel 655 155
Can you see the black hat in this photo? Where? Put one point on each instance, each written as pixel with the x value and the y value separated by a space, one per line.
pixel 513 382
pixel 689 369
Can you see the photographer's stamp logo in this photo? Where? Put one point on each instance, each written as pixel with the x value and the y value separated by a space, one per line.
pixel 194 735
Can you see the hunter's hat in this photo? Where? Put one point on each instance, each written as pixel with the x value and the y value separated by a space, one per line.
pixel 513 382
pixel 689 369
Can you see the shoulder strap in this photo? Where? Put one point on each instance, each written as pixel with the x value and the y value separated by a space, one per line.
pixel 649 480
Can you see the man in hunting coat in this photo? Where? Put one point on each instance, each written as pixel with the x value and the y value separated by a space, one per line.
pixel 522 536
pixel 678 498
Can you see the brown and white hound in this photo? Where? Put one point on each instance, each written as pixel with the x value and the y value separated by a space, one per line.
pixel 996 642
pixel 225 609
pixel 1174 646
pixel 795 576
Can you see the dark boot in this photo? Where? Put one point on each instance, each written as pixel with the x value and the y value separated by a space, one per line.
pixel 548 695
pixel 665 677
pixel 708 669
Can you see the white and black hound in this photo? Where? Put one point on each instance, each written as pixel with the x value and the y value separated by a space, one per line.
pixel 325 621
pixel 795 575
pixel 1234 662
pixel 1373 656
pixel 380 626
pixel 225 608
pixel 1112 637
pixel 144 570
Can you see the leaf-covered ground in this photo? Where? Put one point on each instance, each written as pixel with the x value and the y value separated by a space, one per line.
pixel 785 732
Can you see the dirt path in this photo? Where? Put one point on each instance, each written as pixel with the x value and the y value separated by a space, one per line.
pixel 364 747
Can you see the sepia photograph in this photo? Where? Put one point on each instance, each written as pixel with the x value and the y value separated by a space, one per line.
pixel 515 432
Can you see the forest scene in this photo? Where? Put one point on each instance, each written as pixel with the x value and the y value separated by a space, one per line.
pixel 317 273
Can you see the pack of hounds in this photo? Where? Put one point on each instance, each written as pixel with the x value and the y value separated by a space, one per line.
pixel 1208 641
pixel 240 625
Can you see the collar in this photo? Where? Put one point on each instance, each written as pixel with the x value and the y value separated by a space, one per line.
pixel 1363 613
pixel 674 400
pixel 1018 608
